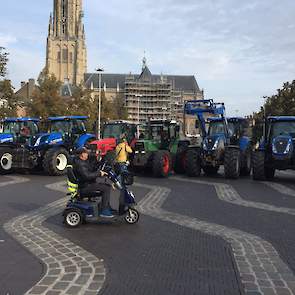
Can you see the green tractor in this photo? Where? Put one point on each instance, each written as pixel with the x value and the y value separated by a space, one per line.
pixel 160 149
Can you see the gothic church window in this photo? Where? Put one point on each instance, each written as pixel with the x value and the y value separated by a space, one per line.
pixel 65 55
pixel 58 56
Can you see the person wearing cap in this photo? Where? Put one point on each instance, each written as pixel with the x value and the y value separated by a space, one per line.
pixel 90 180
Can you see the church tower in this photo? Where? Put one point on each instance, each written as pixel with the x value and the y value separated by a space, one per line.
pixel 66 54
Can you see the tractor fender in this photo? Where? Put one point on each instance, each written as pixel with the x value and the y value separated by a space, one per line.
pixel 83 139
pixel 6 138
pixel 45 141
pixel 231 146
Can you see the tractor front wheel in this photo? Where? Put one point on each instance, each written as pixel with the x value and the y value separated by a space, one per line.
pixel 162 164
pixel 193 163
pixel 5 161
pixel 55 161
pixel 232 163
pixel 258 162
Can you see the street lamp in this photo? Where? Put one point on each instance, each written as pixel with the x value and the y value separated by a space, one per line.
pixel 99 71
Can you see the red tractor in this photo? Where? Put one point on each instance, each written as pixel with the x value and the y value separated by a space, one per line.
pixel 111 135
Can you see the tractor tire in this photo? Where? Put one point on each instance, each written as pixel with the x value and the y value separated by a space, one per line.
pixel 258 162
pixel 6 158
pixel 232 163
pixel 210 170
pixel 247 164
pixel 180 162
pixel 193 163
pixel 162 164
pixel 55 161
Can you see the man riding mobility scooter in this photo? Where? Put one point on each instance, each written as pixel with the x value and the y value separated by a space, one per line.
pixel 87 208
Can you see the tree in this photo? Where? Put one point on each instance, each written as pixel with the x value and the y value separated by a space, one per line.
pixel 3 62
pixel 47 101
pixel 120 111
pixel 8 101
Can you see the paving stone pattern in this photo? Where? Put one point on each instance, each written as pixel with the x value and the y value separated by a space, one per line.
pixel 13 180
pixel 261 269
pixel 70 270
pixel 227 193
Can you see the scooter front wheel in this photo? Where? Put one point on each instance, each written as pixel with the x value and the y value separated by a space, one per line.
pixel 132 216
pixel 73 218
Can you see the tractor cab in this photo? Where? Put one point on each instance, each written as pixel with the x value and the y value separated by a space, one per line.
pixel 114 129
pixel 163 132
pixel 70 130
pixel 276 150
pixel 18 130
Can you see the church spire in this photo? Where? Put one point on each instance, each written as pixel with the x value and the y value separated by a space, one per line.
pixel 66 45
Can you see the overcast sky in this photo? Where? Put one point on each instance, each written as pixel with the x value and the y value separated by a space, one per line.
pixel 239 51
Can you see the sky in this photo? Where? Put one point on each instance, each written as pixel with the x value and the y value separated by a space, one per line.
pixel 239 51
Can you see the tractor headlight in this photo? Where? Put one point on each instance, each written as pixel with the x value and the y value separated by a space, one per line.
pixel 37 143
pixel 205 145
pixel 288 148
pixel 216 144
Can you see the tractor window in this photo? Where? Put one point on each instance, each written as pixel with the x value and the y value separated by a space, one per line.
pixel 60 126
pixel 216 128
pixel 157 132
pixel 283 128
pixel 17 127
pixel 11 127
pixel 78 127
pixel 112 131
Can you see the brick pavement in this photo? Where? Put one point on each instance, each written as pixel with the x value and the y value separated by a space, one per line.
pixel 69 269
pixel 227 193
pixel 261 268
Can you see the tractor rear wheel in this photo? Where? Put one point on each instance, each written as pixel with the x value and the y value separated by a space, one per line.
pixel 193 163
pixel 162 164
pixel 6 161
pixel 232 163
pixel 55 161
pixel 210 170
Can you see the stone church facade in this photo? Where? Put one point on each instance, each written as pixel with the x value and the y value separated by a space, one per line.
pixel 66 53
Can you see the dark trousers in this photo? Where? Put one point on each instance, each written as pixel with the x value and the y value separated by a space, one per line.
pixel 105 188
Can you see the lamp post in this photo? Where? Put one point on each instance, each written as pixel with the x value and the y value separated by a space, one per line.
pixel 99 71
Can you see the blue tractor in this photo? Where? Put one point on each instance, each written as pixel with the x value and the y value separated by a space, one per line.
pixel 13 132
pixel 49 150
pixel 276 150
pixel 224 142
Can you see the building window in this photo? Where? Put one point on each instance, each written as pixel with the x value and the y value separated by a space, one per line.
pixel 71 57
pixel 65 55
pixel 58 57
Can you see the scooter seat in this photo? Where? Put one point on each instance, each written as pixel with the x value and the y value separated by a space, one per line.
pixel 94 194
